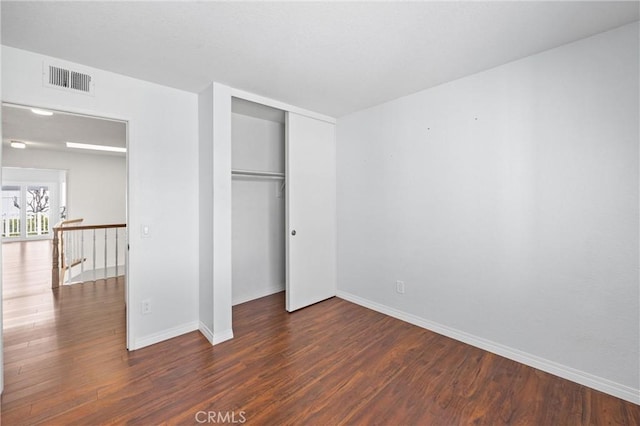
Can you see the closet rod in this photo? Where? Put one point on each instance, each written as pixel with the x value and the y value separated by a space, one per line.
pixel 255 173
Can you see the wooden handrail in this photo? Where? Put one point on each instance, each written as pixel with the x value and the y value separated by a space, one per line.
pixel 66 222
pixel 58 261
pixel 84 227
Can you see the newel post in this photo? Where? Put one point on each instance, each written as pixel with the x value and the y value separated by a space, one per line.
pixel 55 266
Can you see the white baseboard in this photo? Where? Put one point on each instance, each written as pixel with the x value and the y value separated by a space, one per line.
pixel 598 383
pixel 206 332
pixel 215 338
pixel 164 335
pixel 222 336
pixel 256 294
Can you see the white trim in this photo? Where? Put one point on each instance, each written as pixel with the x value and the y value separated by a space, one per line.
pixel 598 383
pixel 206 332
pixel 247 96
pixel 215 338
pixel 164 335
pixel 259 293
pixel 222 336
pixel 61 109
pixel 130 286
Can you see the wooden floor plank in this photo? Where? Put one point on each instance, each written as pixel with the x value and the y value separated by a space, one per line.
pixel 329 364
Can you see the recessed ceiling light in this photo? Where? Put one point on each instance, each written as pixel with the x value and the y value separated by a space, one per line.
pixel 96 147
pixel 18 145
pixel 41 112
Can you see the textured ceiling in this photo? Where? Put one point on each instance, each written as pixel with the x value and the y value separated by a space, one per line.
pixel 333 58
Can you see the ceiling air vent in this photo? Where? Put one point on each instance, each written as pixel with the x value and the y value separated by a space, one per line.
pixel 67 79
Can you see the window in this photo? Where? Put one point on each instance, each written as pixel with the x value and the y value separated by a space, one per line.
pixel 26 211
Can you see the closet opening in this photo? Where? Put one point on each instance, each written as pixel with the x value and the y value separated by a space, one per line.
pixel 258 201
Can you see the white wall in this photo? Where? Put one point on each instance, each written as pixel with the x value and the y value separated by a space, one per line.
pixel 205 208
pixel 163 185
pixel 258 243
pixel 222 292
pixel 96 184
pixel 215 212
pixel 507 202
pixel 1 303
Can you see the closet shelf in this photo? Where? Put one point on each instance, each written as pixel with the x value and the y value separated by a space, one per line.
pixel 256 173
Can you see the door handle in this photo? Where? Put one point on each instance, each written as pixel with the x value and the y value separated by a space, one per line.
pixel 293 232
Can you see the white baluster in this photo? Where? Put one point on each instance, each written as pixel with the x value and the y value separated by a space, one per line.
pixel 105 253
pixel 82 254
pixel 116 232
pixel 69 255
pixel 94 255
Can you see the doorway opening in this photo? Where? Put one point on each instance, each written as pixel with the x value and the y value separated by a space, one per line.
pixel 257 201
pixel 64 185
pixel 283 205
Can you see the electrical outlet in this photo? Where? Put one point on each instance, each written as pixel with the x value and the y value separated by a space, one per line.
pixel 400 287
pixel 146 306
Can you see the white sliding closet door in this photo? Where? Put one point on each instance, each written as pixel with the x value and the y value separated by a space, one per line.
pixel 311 211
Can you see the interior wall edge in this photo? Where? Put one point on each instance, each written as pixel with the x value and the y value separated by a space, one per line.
pixel 205 210
pixel 221 221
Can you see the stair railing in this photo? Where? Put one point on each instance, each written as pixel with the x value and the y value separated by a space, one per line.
pixel 70 248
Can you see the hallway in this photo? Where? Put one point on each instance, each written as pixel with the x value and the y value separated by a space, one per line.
pixel 50 336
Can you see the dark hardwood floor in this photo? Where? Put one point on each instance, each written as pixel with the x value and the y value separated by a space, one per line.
pixel 331 363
